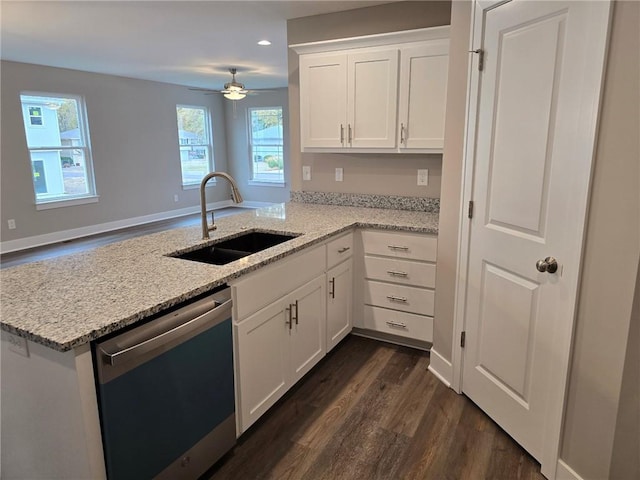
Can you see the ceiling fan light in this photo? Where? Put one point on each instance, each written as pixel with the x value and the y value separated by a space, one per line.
pixel 234 95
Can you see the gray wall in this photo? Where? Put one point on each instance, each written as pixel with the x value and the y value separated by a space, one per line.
pixel 613 233
pixel 446 274
pixel 134 143
pixel 238 151
pixel 363 173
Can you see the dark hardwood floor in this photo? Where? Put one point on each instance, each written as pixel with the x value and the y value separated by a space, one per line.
pixel 85 243
pixel 372 410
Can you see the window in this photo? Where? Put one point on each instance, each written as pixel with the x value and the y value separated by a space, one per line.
pixel 266 145
pixel 58 140
pixel 194 142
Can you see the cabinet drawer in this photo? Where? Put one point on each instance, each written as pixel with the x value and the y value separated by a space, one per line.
pixel 400 245
pixel 339 249
pixel 418 327
pixel 267 284
pixel 399 297
pixel 406 272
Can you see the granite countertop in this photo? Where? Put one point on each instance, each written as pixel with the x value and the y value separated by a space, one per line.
pixel 68 301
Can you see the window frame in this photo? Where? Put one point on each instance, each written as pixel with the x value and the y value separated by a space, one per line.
pixel 208 127
pixel 252 180
pixel 63 200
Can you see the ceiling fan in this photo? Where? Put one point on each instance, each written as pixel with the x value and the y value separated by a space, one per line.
pixel 233 90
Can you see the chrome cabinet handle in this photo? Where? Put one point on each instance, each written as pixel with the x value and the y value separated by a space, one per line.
pixel 396 324
pixel 398 247
pixel 393 298
pixel 343 249
pixel 332 292
pixel 341 133
pixel 296 317
pixel 395 273
pixel 549 265
pixel 290 322
pixel 349 133
pixel 402 139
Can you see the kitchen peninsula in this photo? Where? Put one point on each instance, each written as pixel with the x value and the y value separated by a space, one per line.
pixel 61 305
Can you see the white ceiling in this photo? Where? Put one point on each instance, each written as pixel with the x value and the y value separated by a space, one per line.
pixel 182 42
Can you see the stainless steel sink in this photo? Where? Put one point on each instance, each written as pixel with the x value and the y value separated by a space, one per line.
pixel 235 248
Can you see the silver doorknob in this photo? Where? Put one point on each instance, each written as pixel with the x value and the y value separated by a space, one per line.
pixel 549 265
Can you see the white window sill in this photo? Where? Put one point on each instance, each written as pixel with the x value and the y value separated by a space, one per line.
pixel 196 186
pixel 48 205
pixel 255 183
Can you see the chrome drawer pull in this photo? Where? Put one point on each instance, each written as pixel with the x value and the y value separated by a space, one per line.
pixel 288 314
pixel 296 317
pixel 395 273
pixel 343 249
pixel 393 298
pixel 398 247
pixel 396 324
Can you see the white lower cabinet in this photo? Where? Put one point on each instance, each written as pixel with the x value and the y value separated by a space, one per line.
pixel 276 346
pixel 397 285
pixel 339 294
pixel 288 315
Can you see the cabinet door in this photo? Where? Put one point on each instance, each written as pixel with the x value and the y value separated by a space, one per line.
pixel 323 100
pixel 307 338
pixel 339 293
pixel 423 93
pixel 262 361
pixel 372 99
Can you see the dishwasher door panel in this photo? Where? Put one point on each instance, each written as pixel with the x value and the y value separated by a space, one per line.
pixel 155 413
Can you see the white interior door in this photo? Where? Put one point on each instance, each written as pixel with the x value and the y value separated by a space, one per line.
pixel 530 150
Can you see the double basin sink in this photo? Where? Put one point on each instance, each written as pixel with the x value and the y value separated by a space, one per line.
pixel 235 248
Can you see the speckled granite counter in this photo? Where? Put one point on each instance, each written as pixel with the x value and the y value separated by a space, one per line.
pixel 68 301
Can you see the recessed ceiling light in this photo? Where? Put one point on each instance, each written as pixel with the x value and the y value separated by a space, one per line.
pixel 264 42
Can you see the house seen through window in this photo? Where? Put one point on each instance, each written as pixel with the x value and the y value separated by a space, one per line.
pixel 266 145
pixel 57 136
pixel 194 139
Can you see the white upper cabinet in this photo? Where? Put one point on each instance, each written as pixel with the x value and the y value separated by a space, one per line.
pixel 372 86
pixel 379 93
pixel 423 94
pixel 324 120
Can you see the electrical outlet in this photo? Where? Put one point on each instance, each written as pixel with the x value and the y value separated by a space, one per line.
pixel 176 198
pixel 18 344
pixel 306 172
pixel 339 174
pixel 423 177
pixel 12 224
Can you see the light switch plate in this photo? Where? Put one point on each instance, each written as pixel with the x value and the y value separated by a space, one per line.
pixel 306 172
pixel 423 177
pixel 339 174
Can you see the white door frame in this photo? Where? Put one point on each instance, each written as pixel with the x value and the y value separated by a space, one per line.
pixel 588 127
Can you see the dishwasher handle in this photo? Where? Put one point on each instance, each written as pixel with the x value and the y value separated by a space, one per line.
pixel 160 339
pixel 125 352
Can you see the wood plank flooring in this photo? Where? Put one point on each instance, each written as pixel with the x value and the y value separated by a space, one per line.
pixel 371 410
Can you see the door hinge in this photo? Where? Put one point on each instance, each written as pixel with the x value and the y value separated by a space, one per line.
pixel 480 53
pixel 470 210
pixel 462 338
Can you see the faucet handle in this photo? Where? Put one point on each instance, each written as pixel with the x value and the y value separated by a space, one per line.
pixel 213 223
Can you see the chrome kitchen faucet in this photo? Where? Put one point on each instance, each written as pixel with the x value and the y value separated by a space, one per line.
pixel 235 195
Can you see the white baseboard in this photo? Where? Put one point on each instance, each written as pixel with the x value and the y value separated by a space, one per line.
pixel 440 367
pixel 252 204
pixel 61 236
pixel 565 472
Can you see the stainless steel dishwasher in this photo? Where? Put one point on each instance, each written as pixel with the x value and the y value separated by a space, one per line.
pixel 166 394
